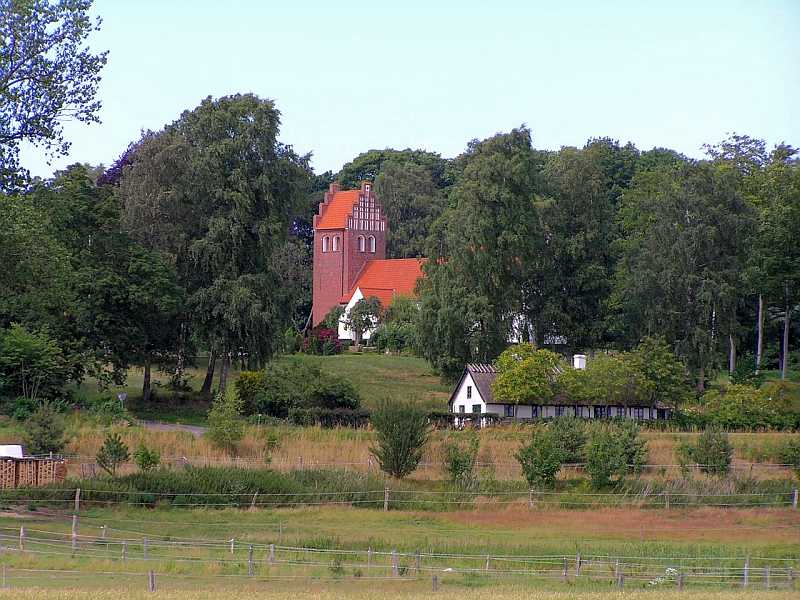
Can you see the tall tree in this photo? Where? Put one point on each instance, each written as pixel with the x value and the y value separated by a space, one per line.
pixel 47 76
pixel 682 257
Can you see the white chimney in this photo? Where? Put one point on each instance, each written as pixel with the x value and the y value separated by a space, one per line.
pixel 579 361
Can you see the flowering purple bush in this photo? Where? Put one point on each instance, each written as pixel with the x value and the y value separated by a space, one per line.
pixel 322 341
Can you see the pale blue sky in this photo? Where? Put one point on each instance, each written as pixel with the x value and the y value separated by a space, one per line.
pixel 350 76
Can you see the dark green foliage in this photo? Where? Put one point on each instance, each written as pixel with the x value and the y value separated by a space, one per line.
pixel 712 452
pixel 31 365
pixel 570 434
pixel 401 434
pixel 634 447
pixel 44 430
pixel 790 454
pixel 363 316
pixel 146 458
pixel 541 458
pixel 329 417
pixel 605 455
pixel 295 387
pixel 225 422
pixel 460 457
pixel 745 372
pixel 112 453
pixel 395 337
pixel 331 320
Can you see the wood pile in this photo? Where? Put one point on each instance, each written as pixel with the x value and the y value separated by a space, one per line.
pixel 31 472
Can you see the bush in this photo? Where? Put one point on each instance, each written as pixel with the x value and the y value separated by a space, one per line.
pixel 605 455
pixel 113 453
pixel 225 422
pixel 401 433
pixel 395 337
pixel 634 448
pixel 108 409
pixel 745 372
pixel 790 454
pixel 460 459
pixel 44 430
pixel 323 342
pixel 570 434
pixel 745 407
pixel 292 341
pixel 712 452
pixel 145 458
pixel 541 459
pixel 31 365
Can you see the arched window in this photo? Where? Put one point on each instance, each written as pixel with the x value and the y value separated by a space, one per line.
pixel 372 243
pixel 361 244
pixel 325 243
pixel 336 240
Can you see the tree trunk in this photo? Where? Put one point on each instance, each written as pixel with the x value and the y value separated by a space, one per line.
pixel 180 362
pixel 701 380
pixel 731 354
pixel 209 380
pixel 760 342
pixel 146 389
pixel 223 371
pixel 785 345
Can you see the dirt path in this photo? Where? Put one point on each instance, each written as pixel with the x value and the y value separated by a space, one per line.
pixel 195 430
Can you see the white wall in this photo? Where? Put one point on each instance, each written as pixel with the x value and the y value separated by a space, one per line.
pixel 462 400
pixel 344 332
pixel 547 411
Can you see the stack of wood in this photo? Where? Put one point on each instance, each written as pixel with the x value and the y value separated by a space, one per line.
pixel 31 472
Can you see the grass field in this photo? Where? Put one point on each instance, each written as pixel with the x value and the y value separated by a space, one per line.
pixel 191 549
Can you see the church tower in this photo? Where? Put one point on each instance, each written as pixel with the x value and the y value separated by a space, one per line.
pixel 349 231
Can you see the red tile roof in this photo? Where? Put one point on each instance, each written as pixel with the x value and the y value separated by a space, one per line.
pixel 339 208
pixel 387 278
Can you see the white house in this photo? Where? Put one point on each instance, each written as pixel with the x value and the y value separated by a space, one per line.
pixel 472 401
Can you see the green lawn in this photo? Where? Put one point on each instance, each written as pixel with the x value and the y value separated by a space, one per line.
pixel 376 376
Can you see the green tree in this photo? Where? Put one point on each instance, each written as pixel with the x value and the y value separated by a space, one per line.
pixel 541 458
pixel 525 374
pixel 112 453
pixel 45 430
pixel 664 371
pixel 146 458
pixel 712 451
pixel 613 381
pixel 362 317
pixel 460 457
pixel 47 76
pixel 605 455
pixel 401 434
pixel 31 365
pixel 681 259
pixel 225 422
pixel 570 434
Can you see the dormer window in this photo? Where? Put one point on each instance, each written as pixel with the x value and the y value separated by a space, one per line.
pixel 326 242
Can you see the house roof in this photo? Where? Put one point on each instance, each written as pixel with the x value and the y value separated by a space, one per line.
pixel 387 278
pixel 482 375
pixel 338 209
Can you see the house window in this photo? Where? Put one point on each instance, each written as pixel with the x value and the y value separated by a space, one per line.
pixel 535 412
pixel 326 242
pixel 638 413
pixel 372 243
pixel 476 408
pixel 620 411
pixel 661 414
pixel 508 410
pixel 336 243
pixel 578 411
pixel 462 409
pixel 599 412
pixel 361 244
pixel 469 391
pixel 559 411
pixel 367 188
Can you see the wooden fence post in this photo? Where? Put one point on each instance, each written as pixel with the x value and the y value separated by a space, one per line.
pixel 794 498
pixel 77 500
pixel 434 583
pixel 233 544
pixel 386 499
pixel 616 570
pixel 680 581
pixel 151 581
pixel 578 564
pixel 790 576
pixel 766 577
pixel 103 531
pixel 74 532
pixel 666 501
pixel 253 501
pixel 486 566
pixel 369 556
pixel 530 498
pixel 272 554
pixel 566 567
pixel 395 568
pixel 250 561
pixel 4 577
pixel 22 538
pixel 144 548
pixel 417 562
pixel 620 576
pixel 746 572
pixel 124 550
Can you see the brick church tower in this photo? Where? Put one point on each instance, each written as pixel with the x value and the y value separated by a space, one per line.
pixel 349 231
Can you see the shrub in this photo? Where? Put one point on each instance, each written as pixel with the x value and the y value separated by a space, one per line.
pixel 108 409
pixel 401 433
pixel 145 458
pixel 790 454
pixel 460 459
pixel 225 422
pixel 605 455
pixel 712 452
pixel 292 341
pixel 395 337
pixel 570 434
pixel 745 372
pixel 541 459
pixel 745 407
pixel 112 453
pixel 31 364
pixel 331 320
pixel 44 430
pixel 634 447
pixel 322 341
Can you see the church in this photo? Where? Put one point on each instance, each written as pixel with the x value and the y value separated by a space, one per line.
pixel 350 255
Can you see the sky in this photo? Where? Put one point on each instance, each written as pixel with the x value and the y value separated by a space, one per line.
pixel 352 76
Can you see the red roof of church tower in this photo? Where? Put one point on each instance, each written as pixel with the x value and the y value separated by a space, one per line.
pixel 339 208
